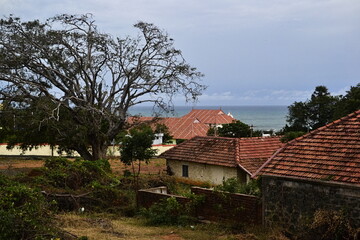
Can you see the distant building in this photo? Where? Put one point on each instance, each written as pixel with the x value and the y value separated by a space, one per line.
pixel 195 123
pixel 214 159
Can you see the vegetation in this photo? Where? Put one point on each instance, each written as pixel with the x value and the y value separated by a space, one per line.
pixel 235 129
pixel 319 110
pixel 65 82
pixel 99 205
pixel 162 128
pixel 168 211
pixel 327 225
pixel 233 185
pixel 136 148
pixel 24 213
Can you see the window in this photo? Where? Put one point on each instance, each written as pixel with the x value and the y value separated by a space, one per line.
pixel 185 170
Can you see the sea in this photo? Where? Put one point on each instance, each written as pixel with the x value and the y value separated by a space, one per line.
pixel 260 117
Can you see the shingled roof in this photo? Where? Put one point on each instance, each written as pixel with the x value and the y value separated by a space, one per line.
pixel 329 153
pixel 247 153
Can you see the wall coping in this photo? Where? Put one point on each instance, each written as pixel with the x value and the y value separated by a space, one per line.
pixel 238 194
pixel 154 190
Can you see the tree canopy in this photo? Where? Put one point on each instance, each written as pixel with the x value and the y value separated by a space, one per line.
pixel 87 79
pixel 235 129
pixel 321 109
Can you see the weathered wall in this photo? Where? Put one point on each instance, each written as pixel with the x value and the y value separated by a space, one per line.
pixel 289 201
pixel 229 206
pixel 203 172
pixel 147 197
pixel 45 150
pixel 217 206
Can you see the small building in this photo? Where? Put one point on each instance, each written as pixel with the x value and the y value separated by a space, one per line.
pixel 214 159
pixel 320 170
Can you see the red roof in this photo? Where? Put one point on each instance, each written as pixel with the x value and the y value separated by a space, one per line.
pixel 247 153
pixel 209 116
pixel 329 153
pixel 195 123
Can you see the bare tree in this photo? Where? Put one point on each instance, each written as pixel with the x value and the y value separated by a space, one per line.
pixel 90 75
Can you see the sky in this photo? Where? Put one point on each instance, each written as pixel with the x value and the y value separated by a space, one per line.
pixel 252 52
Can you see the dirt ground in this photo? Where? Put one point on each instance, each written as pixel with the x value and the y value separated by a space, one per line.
pixel 155 166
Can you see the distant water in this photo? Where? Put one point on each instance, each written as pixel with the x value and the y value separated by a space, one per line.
pixel 261 117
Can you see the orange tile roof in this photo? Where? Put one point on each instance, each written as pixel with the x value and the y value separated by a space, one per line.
pixel 247 153
pixel 329 153
pixel 195 123
pixel 209 116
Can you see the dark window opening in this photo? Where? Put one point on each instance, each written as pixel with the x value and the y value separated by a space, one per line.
pixel 185 170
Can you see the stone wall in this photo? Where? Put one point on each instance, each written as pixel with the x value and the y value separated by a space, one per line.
pixel 289 201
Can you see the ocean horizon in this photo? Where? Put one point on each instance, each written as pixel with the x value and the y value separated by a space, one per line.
pixel 260 117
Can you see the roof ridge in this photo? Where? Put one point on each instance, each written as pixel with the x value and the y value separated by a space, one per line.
pixel 237 150
pixel 333 123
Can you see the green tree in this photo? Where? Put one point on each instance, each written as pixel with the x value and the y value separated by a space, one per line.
pixel 89 78
pixel 298 117
pixel 348 103
pixel 313 113
pixel 235 129
pixel 162 128
pixel 321 107
pixel 136 147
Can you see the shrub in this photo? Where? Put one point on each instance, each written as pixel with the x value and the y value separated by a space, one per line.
pixel 24 213
pixel 168 212
pixel 63 173
pixel 233 185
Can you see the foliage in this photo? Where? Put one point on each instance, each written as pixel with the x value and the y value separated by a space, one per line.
pixel 348 103
pixel 87 79
pixel 328 225
pixel 168 211
pixel 24 213
pixel 74 175
pixel 162 128
pixel 233 185
pixel 235 129
pixel 288 136
pixel 136 147
pixel 321 109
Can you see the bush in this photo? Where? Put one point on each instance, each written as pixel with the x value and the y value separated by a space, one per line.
pixel 168 212
pixel 233 185
pixel 63 173
pixel 24 213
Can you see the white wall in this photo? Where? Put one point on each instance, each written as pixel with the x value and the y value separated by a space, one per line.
pixel 203 172
pixel 45 150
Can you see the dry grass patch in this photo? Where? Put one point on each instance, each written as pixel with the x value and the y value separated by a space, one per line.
pixel 107 227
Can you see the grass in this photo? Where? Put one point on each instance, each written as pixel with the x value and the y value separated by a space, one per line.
pixel 114 227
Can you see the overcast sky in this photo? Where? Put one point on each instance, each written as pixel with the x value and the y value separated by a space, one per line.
pixel 252 52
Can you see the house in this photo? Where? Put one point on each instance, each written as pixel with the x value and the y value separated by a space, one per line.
pixel 214 159
pixel 196 123
pixel 320 170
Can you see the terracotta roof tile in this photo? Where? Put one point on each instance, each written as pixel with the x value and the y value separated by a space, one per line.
pixel 195 123
pixel 330 153
pixel 247 153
